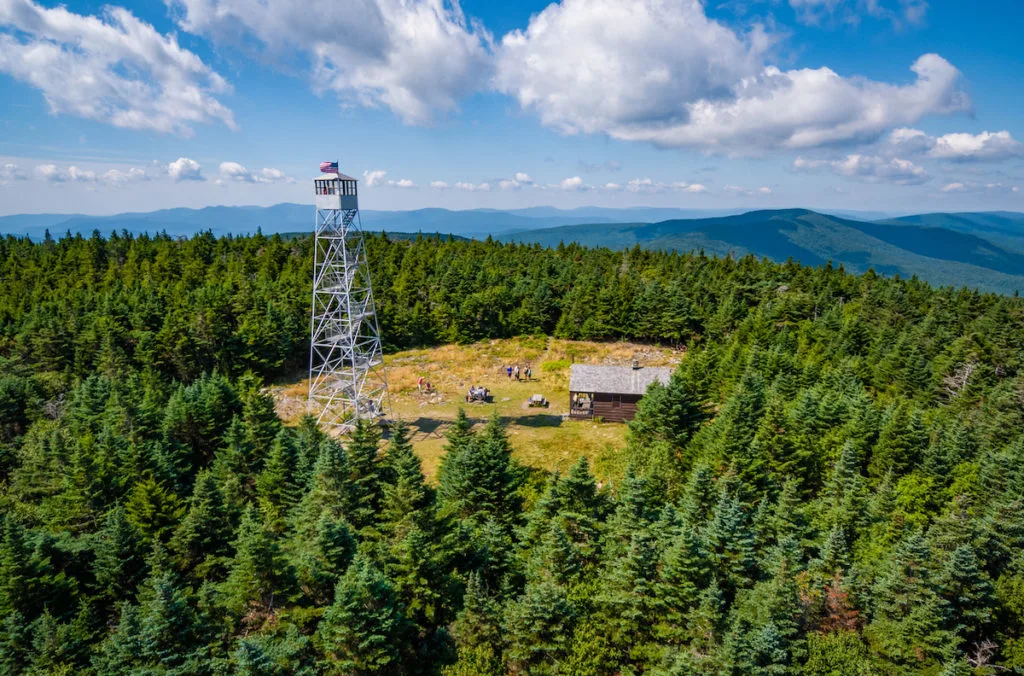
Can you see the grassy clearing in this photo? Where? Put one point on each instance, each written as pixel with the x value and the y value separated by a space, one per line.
pixel 541 437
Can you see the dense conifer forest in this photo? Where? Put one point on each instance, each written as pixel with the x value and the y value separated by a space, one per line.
pixel 831 483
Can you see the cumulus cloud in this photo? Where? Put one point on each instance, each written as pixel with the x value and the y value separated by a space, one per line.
pixel 870 168
pixel 412 56
pixel 112 68
pixel 960 147
pixel 185 169
pixel 233 171
pixel 375 177
pixel 612 187
pixel 439 185
pixel 520 180
pixel 9 173
pixel 379 177
pixel 984 146
pixel 663 72
pixel 56 174
pixel 473 187
pixel 573 183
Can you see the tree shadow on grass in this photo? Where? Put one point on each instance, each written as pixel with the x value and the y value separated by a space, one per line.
pixel 536 420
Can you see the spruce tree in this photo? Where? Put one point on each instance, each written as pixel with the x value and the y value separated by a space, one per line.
pixel 257 573
pixel 363 631
pixel 119 564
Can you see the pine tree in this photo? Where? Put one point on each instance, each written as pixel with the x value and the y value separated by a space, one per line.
pixel 365 484
pixel 276 487
pixel 364 630
pixel 478 633
pixel 729 544
pixel 406 494
pixel 539 628
pixel 203 537
pixel 906 623
pixel 967 595
pixel 257 574
pixel 119 564
pixel 482 480
pixel 322 555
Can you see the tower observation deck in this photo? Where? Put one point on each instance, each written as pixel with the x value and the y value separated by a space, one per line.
pixel 346 370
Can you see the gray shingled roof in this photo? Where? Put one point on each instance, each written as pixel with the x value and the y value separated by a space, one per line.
pixel 615 379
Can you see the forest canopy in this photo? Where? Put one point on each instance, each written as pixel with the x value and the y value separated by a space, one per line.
pixel 832 482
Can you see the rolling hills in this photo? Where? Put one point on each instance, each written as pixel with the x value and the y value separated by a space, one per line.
pixel 939 255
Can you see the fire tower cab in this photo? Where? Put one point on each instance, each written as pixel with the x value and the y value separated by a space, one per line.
pixel 336 191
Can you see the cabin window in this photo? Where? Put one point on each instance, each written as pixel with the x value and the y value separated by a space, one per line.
pixel 616 400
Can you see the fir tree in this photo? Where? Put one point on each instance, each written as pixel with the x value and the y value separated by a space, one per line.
pixel 364 630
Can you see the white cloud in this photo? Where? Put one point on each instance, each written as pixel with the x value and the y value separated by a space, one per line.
pixel 870 168
pixel 113 68
pixel 473 187
pixel 663 72
pixel 522 177
pixel 379 177
pixel 573 183
pixel 73 174
pixel 982 188
pixel 647 185
pixel 9 173
pixel 509 184
pixel 185 169
pixel 439 185
pixel 748 192
pixel 961 147
pixel 412 56
pixel 375 177
pixel 984 146
pixel 118 177
pixel 612 187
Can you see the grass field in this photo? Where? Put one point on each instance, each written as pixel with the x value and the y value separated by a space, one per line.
pixel 541 437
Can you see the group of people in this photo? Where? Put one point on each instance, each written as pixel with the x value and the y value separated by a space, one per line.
pixel 513 371
pixel 423 385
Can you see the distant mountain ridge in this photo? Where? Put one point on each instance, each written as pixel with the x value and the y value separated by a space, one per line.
pixel 288 217
pixel 983 250
pixel 938 255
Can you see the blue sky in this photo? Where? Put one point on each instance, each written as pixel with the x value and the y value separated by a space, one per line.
pixel 891 105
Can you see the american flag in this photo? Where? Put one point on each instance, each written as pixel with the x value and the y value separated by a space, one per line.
pixel 329 167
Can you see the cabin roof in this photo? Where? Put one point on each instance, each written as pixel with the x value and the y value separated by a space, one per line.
pixel 331 176
pixel 615 379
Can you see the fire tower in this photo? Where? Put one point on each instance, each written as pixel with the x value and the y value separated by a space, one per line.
pixel 346 371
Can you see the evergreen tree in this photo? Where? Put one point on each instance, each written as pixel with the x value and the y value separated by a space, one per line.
pixel 257 573
pixel 364 630
pixel 539 626
pixel 481 481
pixel 119 564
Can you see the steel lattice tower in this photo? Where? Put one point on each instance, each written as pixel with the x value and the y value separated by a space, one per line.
pixel 346 372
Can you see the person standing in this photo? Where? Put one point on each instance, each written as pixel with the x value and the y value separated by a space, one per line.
pixel 508 369
pixel 515 372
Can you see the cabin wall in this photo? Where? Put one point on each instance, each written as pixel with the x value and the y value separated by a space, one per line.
pixel 615 407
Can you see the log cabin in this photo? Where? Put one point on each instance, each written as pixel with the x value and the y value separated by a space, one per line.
pixel 610 393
